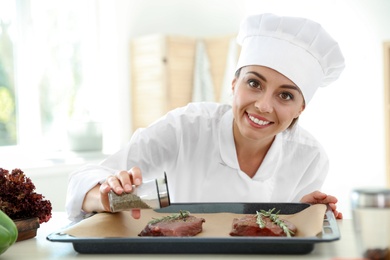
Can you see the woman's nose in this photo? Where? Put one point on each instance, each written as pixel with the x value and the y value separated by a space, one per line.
pixel 264 104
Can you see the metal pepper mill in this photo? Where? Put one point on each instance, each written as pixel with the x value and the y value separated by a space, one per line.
pixel 151 194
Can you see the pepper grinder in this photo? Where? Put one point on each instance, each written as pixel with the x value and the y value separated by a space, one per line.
pixel 151 194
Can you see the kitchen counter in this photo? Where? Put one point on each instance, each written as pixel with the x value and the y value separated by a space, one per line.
pixel 40 248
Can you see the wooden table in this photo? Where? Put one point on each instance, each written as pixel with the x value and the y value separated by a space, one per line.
pixel 40 248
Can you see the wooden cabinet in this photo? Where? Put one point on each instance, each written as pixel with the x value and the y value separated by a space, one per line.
pixel 162 72
pixel 161 75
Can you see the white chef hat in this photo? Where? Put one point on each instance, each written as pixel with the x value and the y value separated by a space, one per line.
pixel 298 48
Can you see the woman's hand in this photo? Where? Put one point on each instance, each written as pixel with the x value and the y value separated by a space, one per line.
pixel 97 198
pixel 318 197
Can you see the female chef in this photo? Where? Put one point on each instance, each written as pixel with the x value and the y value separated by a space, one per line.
pixel 249 151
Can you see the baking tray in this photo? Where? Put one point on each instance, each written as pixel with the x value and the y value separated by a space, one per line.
pixel 205 245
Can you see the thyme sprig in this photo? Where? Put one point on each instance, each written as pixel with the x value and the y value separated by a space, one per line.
pixel 182 214
pixel 274 218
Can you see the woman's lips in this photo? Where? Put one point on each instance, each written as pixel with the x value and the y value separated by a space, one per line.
pixel 258 121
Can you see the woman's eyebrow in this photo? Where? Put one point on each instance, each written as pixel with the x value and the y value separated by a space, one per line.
pixel 292 87
pixel 258 75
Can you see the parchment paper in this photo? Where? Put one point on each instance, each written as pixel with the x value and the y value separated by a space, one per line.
pixel 309 223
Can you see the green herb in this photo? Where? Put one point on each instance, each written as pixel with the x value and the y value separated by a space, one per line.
pixel 274 218
pixel 181 215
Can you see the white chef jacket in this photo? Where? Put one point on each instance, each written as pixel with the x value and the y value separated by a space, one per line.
pixel 194 145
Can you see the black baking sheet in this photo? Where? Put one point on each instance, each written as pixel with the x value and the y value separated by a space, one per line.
pixel 204 245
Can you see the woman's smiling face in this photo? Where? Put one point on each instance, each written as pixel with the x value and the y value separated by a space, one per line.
pixel 265 103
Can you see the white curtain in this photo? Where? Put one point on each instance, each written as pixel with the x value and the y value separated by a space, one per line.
pixel 231 62
pixel 203 83
pixel 203 89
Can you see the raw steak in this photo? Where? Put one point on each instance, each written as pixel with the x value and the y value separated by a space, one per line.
pixel 247 226
pixel 183 227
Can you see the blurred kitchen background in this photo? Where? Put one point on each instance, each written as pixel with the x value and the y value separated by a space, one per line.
pixel 77 77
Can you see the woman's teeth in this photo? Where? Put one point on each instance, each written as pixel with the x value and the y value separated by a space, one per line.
pixel 257 121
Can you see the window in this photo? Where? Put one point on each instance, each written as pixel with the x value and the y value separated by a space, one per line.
pixel 48 52
pixel 7 86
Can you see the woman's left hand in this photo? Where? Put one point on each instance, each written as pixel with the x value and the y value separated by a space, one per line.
pixel 318 197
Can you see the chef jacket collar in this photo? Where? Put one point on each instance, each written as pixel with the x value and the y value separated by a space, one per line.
pixel 228 152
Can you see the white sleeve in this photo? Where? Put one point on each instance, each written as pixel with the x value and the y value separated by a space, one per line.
pixel 314 176
pixel 80 182
pixel 87 177
pixel 151 149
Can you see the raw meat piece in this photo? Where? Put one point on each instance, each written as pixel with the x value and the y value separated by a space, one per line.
pixel 181 227
pixel 247 226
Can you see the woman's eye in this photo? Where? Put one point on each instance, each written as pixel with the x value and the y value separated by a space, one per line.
pixel 286 96
pixel 254 84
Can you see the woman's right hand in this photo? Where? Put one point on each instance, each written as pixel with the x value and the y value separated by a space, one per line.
pixel 97 198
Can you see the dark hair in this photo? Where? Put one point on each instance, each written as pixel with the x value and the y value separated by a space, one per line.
pixel 293 122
